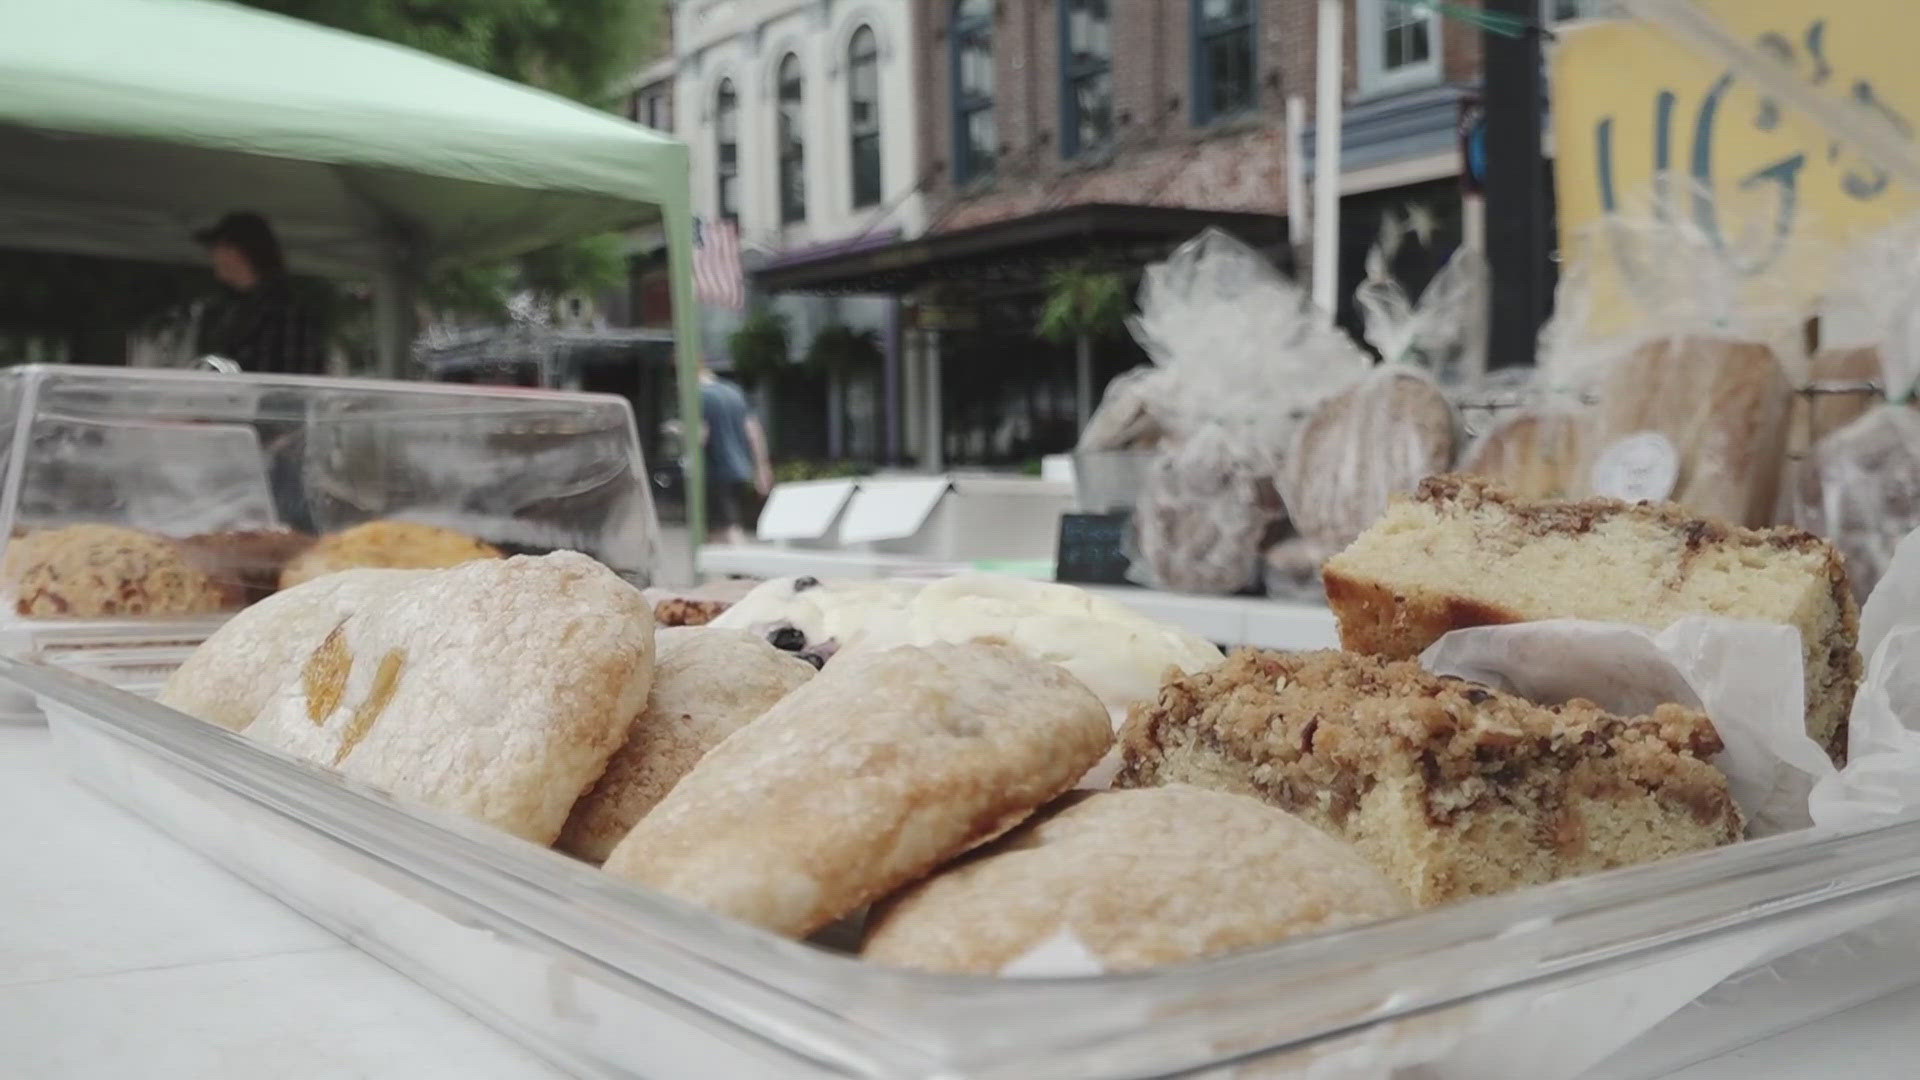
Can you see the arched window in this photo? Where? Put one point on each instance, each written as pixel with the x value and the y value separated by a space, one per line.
pixel 1086 64
pixel 726 140
pixel 975 143
pixel 793 144
pixel 1222 58
pixel 863 115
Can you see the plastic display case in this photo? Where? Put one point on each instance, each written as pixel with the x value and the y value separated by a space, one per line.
pixel 141 508
pixel 1707 952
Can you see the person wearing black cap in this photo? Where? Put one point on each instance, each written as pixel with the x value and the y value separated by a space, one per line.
pixel 255 322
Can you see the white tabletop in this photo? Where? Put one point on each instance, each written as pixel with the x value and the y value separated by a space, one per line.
pixel 123 954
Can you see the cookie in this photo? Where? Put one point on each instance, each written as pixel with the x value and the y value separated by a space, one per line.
pixel 707 684
pixel 688 611
pixel 1144 877
pixel 232 675
pixel 95 571
pixel 392 545
pixel 882 767
pixel 497 689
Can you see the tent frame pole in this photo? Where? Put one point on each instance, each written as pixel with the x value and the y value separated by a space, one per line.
pixel 395 324
pixel 678 216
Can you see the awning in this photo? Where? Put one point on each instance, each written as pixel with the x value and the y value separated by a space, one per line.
pixel 1013 253
pixel 126 124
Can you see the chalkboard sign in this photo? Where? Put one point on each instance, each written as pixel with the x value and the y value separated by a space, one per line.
pixel 1092 549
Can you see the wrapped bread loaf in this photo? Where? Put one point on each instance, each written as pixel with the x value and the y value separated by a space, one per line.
pixel 1205 515
pixel 1860 488
pixel 1362 447
pixel 1537 453
pixel 1723 404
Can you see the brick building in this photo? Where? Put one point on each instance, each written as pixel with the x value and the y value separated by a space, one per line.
pixel 1101 133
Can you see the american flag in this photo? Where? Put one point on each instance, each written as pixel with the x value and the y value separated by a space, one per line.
pixel 716 265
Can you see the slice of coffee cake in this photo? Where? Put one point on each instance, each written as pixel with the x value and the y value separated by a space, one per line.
pixel 1451 788
pixel 1462 552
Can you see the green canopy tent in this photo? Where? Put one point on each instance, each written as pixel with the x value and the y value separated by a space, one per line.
pixel 127 124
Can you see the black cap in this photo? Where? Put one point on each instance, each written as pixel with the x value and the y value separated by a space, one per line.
pixel 243 230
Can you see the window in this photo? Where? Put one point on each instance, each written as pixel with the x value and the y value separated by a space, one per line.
pixel 793 144
pixel 1086 58
pixel 1559 11
pixel 975 142
pixel 863 115
pixel 1400 45
pixel 726 135
pixel 1222 58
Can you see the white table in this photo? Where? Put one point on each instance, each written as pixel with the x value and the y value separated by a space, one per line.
pixel 124 956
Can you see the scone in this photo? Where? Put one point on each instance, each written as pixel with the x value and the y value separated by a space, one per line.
pixel 1144 877
pixel 94 571
pixel 1452 789
pixel 392 545
pixel 707 684
pixel 234 673
pixel 1462 553
pixel 497 689
pixel 885 765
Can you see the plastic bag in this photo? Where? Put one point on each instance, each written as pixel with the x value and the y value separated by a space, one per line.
pixel 1706 359
pixel 1362 447
pixel 1127 417
pixel 1445 332
pixel 1239 356
pixel 1538 452
pixel 1208 511
pixel 1860 487
pixel 1291 570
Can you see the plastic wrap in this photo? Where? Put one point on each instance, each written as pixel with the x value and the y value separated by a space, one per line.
pixel 1537 452
pixel 1207 512
pixel 1445 331
pixel 1704 356
pixel 1362 447
pixel 1860 484
pixel 1126 418
pixel 1291 569
pixel 1239 355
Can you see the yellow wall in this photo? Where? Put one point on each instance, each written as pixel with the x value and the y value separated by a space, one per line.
pixel 1630 101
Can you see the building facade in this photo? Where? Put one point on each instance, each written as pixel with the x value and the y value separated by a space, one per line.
pixel 1095 135
pixel 800 117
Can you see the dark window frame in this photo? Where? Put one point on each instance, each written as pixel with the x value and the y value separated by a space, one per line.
pixel 726 151
pixel 866 187
pixel 1205 32
pixel 1073 74
pixel 972 24
pixel 790 139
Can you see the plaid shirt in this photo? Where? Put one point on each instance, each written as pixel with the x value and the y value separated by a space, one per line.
pixel 263 330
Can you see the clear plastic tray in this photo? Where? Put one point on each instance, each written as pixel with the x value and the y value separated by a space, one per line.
pixel 1709 952
pixel 193 458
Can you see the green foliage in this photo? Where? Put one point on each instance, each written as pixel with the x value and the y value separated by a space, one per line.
pixel 840 349
pixel 579 48
pixel 1081 300
pixel 759 348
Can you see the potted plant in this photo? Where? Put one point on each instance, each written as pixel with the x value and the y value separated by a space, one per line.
pixel 1083 304
pixel 759 347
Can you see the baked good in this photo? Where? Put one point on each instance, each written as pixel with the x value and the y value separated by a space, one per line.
pixel 884 766
pixel 1450 788
pixel 1207 511
pixel 1536 454
pixel 496 689
pixel 707 684
pixel 1144 877
pixel 94 571
pixel 249 560
pixel 688 611
pixel 392 545
pixel 235 672
pixel 1292 569
pixel 816 619
pixel 1361 447
pixel 1461 552
pixel 1723 405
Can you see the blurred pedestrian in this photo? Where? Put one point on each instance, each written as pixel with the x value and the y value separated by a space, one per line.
pixel 738 470
pixel 255 321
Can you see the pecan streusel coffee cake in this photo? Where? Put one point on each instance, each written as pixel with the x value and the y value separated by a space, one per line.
pixel 1451 788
